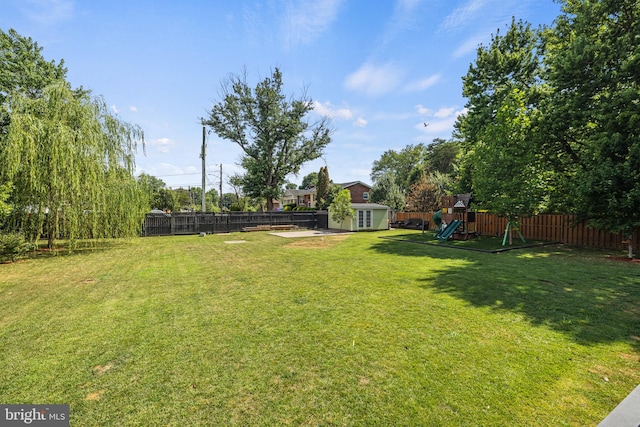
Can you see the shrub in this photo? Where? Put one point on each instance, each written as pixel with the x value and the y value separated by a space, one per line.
pixel 13 245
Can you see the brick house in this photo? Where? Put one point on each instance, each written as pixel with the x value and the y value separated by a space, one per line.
pixel 359 191
pixel 307 197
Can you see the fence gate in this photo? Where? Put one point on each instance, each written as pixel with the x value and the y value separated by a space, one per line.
pixel 322 219
pixel 157 225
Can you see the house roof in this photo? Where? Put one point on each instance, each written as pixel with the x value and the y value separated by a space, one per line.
pixel 350 184
pixel 368 206
pixel 294 192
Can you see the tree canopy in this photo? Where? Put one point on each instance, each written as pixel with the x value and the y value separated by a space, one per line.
pixel 271 129
pixel 593 119
pixel 67 161
pixel 341 206
pixel 442 156
pixel 5 207
pixel 23 70
pixel 71 163
pixel 385 191
pixel 406 165
pixel 509 178
pixel 310 180
pixel 553 117
pixel 424 196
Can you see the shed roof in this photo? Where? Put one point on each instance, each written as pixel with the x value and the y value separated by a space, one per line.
pixel 368 206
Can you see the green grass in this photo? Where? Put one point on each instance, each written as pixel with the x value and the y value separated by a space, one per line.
pixel 479 243
pixel 348 330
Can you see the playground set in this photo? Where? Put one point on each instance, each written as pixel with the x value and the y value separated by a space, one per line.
pixel 455 220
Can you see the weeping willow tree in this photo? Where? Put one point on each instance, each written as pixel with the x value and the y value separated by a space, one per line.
pixel 71 163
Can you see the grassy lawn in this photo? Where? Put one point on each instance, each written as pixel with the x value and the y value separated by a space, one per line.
pixel 348 330
pixel 479 243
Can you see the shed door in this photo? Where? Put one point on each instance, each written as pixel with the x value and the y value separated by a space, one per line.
pixel 365 219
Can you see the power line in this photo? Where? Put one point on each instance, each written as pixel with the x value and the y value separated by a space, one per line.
pixel 178 174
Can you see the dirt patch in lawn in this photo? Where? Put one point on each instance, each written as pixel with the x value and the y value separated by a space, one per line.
pixel 99 370
pixel 317 243
pixel 94 396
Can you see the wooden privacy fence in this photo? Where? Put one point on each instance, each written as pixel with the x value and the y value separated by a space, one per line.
pixel 194 223
pixel 560 228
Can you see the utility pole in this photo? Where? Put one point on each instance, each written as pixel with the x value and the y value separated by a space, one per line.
pixel 220 187
pixel 203 155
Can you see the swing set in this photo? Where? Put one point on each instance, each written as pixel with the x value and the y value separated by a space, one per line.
pixel 508 232
pixel 456 220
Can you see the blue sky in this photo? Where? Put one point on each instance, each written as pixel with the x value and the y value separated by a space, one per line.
pixel 378 68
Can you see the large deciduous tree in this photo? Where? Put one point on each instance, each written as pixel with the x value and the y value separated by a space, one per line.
pixel 593 111
pixel 501 164
pixel 71 163
pixel 509 177
pixel 271 129
pixel 511 60
pixel 387 192
pixel 23 70
pixel 442 156
pixel 406 165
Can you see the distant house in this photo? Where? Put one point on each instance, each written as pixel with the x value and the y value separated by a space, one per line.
pixel 368 216
pixel 359 191
pixel 305 198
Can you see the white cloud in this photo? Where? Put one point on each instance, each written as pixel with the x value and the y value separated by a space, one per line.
pixel 360 122
pixel 133 108
pixel 444 112
pixel 114 109
pixel 162 145
pixel 48 12
pixel 422 110
pixel 406 17
pixel 160 170
pixel 420 85
pixel 463 14
pixel 306 20
pixel 409 5
pixel 447 118
pixel 374 80
pixel 482 18
pixel 326 109
pixel 469 46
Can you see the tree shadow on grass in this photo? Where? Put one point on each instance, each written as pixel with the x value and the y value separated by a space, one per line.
pixel 84 247
pixel 591 300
